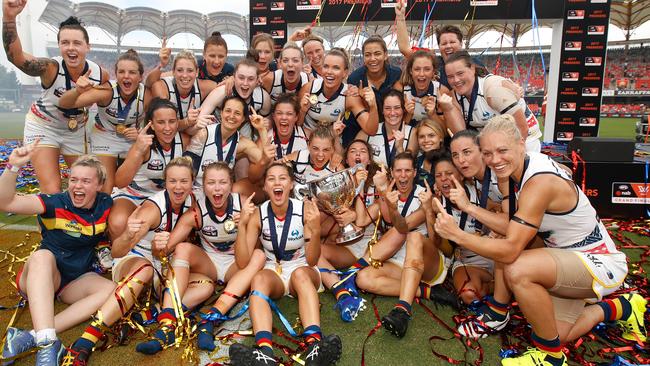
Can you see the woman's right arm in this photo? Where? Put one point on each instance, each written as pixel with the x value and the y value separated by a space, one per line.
pixel 138 225
pixel 42 67
pixel 134 158
pixel 403 39
pixel 9 200
pixel 248 231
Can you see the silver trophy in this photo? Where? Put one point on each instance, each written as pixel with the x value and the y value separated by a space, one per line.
pixel 334 192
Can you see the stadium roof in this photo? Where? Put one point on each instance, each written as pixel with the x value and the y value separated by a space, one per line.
pixel 629 14
pixel 119 22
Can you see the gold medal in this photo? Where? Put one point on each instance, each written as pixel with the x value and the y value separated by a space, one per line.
pixel 313 99
pixel 72 124
pixel 120 129
pixel 278 268
pixel 229 226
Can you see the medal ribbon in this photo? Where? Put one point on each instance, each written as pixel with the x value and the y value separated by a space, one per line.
pixel 123 113
pixel 231 149
pixel 469 114
pixel 213 215
pixel 278 247
pixel 390 152
pixel 278 143
pixel 68 85
pixel 407 204
pixel 513 189
pixel 485 189
pixel 179 102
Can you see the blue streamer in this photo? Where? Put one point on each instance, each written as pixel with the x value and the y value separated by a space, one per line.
pixel 275 308
pixel 535 25
pixel 425 21
pixel 222 318
pixel 645 185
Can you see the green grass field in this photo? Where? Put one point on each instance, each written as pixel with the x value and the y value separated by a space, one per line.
pixel 381 349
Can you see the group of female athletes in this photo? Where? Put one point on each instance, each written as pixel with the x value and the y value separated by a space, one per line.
pixel 198 174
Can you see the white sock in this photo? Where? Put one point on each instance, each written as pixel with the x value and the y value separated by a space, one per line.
pixel 45 336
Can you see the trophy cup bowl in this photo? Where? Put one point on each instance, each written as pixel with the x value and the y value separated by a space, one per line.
pixel 334 192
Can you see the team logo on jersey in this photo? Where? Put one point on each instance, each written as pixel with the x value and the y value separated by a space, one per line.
pixel 376 150
pixel 315 108
pixel 266 234
pixel 155 164
pixel 210 230
pixel 207 162
pixel 58 92
pixel 111 112
pixel 336 112
pixel 72 228
pixel 296 234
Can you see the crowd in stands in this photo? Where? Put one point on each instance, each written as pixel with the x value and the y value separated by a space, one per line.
pixel 622 109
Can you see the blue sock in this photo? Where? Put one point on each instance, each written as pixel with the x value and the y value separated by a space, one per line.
pixel 404 306
pixel 312 334
pixel 205 337
pixel 360 263
pixel 264 340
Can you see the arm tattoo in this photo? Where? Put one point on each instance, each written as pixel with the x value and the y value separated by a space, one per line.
pixel 9 36
pixel 35 67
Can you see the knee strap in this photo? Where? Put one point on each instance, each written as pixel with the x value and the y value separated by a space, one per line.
pixel 181 263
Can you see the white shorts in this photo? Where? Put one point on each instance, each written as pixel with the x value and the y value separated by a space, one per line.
pixel 473 260
pixel 441 273
pixel 287 269
pixel 136 252
pixel 108 143
pixel 222 262
pixel 359 248
pixel 68 142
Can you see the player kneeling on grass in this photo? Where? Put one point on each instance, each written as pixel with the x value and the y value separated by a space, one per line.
pixel 579 261
pixel 215 221
pixel 71 223
pixel 289 232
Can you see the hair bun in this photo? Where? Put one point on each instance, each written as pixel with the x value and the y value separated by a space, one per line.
pixel 72 20
pixel 216 34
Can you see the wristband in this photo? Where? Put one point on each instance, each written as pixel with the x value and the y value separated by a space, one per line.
pixel 12 168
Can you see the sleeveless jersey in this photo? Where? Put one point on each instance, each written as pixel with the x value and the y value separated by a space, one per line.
pixel 149 177
pixel 297 142
pixel 326 110
pixel 210 152
pixel 119 112
pixel 183 103
pixel 168 218
pixel 579 229
pixel 466 222
pixel 295 244
pixel 47 106
pixel 213 235
pixel 383 149
pixel 410 93
pixel 304 172
pixel 411 205
pixel 278 87
pixel 482 111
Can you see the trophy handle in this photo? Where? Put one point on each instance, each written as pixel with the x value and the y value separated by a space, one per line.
pixel 359 187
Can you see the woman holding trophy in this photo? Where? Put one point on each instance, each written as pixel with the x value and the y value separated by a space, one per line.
pixel 289 230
